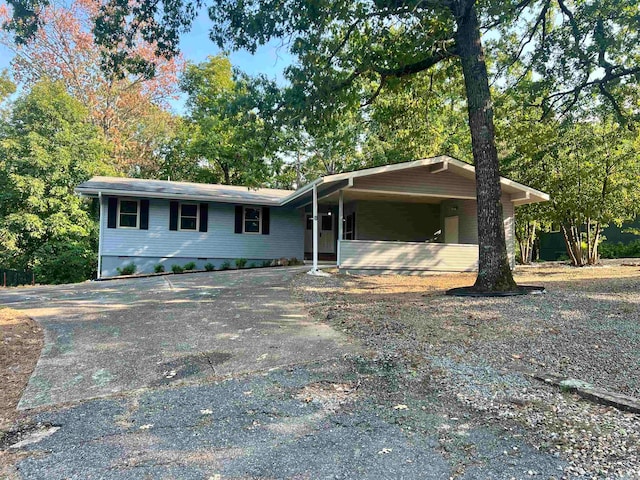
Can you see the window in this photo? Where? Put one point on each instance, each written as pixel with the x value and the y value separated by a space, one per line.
pixel 128 213
pixel 349 227
pixel 251 220
pixel 327 223
pixel 189 216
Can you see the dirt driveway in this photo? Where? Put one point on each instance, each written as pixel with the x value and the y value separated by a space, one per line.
pixel 108 337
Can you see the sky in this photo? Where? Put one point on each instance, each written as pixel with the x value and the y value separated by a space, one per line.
pixel 269 60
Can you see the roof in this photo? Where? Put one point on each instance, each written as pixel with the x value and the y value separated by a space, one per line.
pixel 136 187
pixel 444 162
pixel 520 194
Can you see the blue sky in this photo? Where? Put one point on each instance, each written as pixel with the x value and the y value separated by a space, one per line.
pixel 269 60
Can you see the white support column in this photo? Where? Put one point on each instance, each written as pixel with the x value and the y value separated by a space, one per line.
pixel 101 216
pixel 340 223
pixel 315 228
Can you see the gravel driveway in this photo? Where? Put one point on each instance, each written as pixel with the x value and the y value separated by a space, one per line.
pixel 109 337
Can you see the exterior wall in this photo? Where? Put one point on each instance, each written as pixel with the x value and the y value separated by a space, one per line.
pixel 407 256
pixel 158 244
pixel 406 222
pixel 420 181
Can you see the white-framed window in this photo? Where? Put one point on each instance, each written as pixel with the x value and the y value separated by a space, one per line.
pixel 251 220
pixel 128 213
pixel 189 216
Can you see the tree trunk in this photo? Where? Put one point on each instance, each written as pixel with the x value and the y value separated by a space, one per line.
pixel 494 271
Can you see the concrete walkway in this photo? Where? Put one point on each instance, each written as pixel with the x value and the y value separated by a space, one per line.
pixel 107 337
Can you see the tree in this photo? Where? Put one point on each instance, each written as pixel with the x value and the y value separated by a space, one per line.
pixel 344 47
pixel 47 147
pixel 129 109
pixel 234 134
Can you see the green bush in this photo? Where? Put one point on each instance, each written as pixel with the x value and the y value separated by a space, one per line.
pixel 241 262
pixel 267 263
pixel 620 250
pixel 159 268
pixel 64 262
pixel 209 267
pixel 175 268
pixel 252 265
pixel 128 269
pixel 295 261
pixel 226 265
pixel 190 266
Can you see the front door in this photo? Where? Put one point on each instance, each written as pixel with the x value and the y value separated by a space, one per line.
pixel 326 234
pixel 327 240
pixel 451 230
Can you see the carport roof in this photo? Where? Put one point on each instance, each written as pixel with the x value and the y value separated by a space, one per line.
pixel 118 186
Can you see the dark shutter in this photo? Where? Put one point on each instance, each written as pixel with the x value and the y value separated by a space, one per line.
pixel 144 214
pixel 112 213
pixel 173 215
pixel 204 217
pixel 238 219
pixel 265 220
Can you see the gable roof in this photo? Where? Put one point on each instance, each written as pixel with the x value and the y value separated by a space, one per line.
pixel 119 186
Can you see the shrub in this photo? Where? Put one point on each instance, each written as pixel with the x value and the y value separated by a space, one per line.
pixel 267 263
pixel 252 265
pixel 295 261
pixel 241 262
pixel 159 268
pixel 226 265
pixel 64 262
pixel 128 269
pixel 175 268
pixel 190 266
pixel 620 250
pixel 209 267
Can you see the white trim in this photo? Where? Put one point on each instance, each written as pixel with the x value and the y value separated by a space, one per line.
pixel 315 228
pixel 126 199
pixel 180 229
pixel 410 194
pixel 244 220
pixel 100 231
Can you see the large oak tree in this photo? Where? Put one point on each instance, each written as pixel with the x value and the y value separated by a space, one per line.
pixel 350 49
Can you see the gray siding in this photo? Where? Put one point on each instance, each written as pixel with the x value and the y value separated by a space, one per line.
pixel 405 256
pixel 406 222
pixel 286 238
pixel 421 181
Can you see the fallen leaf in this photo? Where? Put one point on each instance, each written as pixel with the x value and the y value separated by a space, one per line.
pixel 401 407
pixel 146 426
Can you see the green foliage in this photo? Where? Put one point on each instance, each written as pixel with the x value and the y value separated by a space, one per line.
pixel 240 262
pixel 267 263
pixel 128 269
pixel 620 250
pixel 209 267
pixel 226 265
pixel 175 268
pixel 65 262
pixel 231 124
pixel 190 266
pixel 252 265
pixel 47 147
pixel 158 268
pixel 294 261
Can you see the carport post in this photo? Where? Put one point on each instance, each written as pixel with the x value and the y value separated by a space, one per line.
pixel 315 228
pixel 100 236
pixel 340 223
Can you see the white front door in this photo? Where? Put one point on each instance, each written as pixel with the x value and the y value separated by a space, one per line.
pixel 327 240
pixel 451 229
pixel 326 234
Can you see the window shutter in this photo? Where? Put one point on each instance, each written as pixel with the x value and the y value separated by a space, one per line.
pixel 144 214
pixel 238 219
pixel 265 220
pixel 112 213
pixel 204 217
pixel 173 215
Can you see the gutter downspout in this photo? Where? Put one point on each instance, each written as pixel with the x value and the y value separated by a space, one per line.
pixel 101 216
